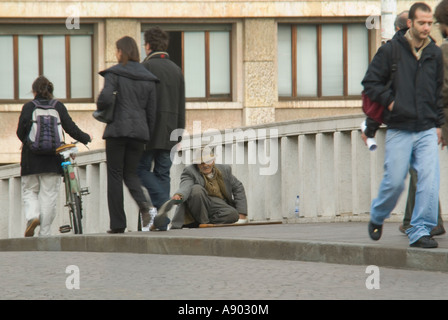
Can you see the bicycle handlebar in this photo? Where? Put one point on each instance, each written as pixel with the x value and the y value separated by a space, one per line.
pixel 68 149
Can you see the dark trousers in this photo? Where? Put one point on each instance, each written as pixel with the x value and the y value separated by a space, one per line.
pixel 123 156
pixel 154 173
pixel 206 209
pixel 410 203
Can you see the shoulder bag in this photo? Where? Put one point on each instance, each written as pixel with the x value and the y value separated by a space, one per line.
pixel 373 109
pixel 107 115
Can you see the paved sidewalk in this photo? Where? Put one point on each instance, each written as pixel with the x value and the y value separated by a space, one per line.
pixel 247 265
pixel 194 280
pixel 340 243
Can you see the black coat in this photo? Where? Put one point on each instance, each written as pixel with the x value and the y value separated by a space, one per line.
pixel 135 106
pixel 170 99
pixel 32 163
pixel 416 91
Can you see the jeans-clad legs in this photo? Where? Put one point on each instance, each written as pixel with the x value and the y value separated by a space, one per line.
pixel 156 178
pixel 418 150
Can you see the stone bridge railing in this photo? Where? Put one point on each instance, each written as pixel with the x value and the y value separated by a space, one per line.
pixel 324 161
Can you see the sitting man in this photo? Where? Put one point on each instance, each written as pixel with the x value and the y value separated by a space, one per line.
pixel 208 194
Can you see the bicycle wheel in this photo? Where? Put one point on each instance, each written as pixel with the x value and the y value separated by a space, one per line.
pixel 76 213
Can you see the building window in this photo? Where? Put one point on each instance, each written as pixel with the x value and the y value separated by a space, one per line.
pixel 204 54
pixel 321 60
pixel 64 57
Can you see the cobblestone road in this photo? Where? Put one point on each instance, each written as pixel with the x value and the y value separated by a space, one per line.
pixel 45 275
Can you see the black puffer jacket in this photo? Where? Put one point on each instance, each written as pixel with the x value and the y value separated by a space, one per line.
pixel 135 107
pixel 32 163
pixel 416 91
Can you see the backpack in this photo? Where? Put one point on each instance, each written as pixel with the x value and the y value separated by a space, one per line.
pixel 375 110
pixel 46 131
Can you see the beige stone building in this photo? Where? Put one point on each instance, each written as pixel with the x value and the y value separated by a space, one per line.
pixel 245 62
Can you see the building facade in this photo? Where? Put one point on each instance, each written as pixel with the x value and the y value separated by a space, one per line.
pixel 245 62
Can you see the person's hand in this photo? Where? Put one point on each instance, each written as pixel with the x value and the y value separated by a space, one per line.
pixel 439 136
pixel 177 197
pixel 443 143
pixel 391 106
pixel 364 137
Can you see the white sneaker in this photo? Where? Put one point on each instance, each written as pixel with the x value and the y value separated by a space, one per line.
pixel 152 214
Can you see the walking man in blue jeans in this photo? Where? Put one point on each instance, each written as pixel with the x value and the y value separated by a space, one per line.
pixel 155 165
pixel 414 116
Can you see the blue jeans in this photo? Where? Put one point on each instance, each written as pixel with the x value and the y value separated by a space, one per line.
pixel 418 150
pixel 156 180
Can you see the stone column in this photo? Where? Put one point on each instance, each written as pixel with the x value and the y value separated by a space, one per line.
pixel 260 78
pixel 116 29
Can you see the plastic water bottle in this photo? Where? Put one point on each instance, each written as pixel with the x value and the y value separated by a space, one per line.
pixel 296 208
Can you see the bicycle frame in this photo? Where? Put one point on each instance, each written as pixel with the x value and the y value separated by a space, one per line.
pixel 70 179
pixel 73 191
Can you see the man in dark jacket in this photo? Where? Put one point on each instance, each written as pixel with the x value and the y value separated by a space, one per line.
pixel 372 126
pixel 170 116
pixel 414 116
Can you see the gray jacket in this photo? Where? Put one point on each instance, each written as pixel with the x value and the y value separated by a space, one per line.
pixel 191 176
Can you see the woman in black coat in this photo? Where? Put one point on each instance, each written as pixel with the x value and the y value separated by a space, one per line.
pixel 41 173
pixel 126 135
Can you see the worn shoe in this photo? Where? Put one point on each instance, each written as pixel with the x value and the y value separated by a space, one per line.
pixel 242 221
pixel 437 231
pixel 30 226
pixel 163 225
pixel 425 242
pixel 375 231
pixel 402 229
pixel 161 220
pixel 120 230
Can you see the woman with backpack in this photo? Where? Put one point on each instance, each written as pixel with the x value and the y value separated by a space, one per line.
pixel 41 169
pixel 131 90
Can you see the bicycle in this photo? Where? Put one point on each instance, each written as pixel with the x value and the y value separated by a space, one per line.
pixel 73 189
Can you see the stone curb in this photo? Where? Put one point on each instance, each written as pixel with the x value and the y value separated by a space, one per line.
pixel 296 250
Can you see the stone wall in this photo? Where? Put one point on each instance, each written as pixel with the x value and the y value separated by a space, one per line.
pixel 254 55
